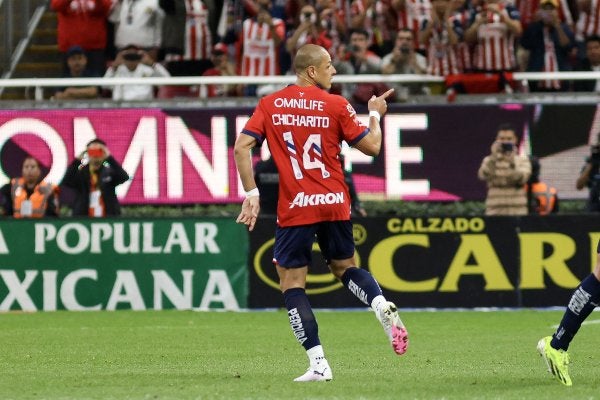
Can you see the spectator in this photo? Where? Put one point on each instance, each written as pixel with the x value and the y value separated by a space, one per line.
pixel 332 21
pixel 93 176
pixel 138 22
pixel 440 35
pixel 403 59
pixel 377 18
pixel 493 30
pixel 134 63
pixel 221 67
pixel 30 196
pixel 590 178
pixel 590 63
pixel 77 64
pixel 186 31
pixel 83 23
pixel 361 61
pixel 505 173
pixel 259 43
pixel 549 43
pixel 411 14
pixel 308 31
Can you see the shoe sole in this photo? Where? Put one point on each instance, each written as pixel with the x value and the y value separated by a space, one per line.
pixel 399 340
pixel 541 347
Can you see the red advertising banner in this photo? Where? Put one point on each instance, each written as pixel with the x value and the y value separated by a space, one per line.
pixel 179 156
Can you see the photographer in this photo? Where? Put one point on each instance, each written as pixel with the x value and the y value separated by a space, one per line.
pixel 590 177
pixel 505 173
pixel 134 62
pixel 360 61
pixel 93 177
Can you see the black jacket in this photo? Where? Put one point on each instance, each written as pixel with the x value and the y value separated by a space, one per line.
pixel 111 174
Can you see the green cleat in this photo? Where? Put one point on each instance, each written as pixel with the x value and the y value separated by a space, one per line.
pixel 556 360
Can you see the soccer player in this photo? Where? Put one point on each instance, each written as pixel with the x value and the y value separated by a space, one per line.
pixel 553 349
pixel 304 126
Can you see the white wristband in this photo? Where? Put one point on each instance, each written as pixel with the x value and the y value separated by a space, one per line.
pixel 253 192
pixel 375 114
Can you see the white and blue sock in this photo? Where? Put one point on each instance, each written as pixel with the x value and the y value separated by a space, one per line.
pixel 582 303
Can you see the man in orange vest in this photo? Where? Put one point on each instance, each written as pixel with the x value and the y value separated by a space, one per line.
pixel 542 198
pixel 30 196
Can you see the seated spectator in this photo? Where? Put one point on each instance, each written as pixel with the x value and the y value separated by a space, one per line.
pixel 93 176
pixel 590 63
pixel 222 67
pixel 83 23
pixel 549 43
pixel 403 59
pixel 134 63
pixel 30 196
pixel 378 18
pixel 77 64
pixel 360 61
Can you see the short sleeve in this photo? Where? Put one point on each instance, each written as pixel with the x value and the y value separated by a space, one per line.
pixel 255 126
pixel 353 130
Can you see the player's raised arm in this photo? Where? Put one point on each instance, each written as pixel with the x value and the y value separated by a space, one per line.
pixel 371 143
pixel 243 162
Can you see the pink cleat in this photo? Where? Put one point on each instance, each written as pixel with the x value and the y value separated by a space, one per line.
pixel 394 328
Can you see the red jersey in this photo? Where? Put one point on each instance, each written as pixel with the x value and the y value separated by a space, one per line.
pixel 304 127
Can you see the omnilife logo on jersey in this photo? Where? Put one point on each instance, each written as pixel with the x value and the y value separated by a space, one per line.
pixel 309 200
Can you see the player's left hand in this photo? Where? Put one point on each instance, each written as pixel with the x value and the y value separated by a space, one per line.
pixel 249 213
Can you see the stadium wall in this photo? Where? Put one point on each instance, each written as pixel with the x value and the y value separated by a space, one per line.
pixel 446 262
pixel 215 264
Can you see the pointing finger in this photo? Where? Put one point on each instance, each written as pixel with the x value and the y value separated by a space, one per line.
pixel 386 94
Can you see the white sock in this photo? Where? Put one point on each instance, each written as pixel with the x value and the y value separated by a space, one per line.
pixel 377 303
pixel 315 355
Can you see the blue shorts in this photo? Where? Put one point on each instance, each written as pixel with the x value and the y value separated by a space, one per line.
pixel 293 245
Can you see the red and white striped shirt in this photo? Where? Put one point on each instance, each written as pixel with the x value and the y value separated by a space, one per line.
pixel 588 23
pixel 528 8
pixel 198 40
pixel 495 47
pixel 260 56
pixel 441 55
pixel 412 17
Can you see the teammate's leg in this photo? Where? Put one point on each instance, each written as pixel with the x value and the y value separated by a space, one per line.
pixel 583 301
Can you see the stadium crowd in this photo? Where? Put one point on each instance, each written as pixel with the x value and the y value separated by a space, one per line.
pixel 474 44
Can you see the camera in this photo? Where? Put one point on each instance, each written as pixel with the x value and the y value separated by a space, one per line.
pixel 307 15
pixel 507 147
pixel 404 50
pixel 132 56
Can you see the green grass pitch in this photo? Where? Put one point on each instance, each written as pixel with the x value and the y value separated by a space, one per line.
pixel 253 355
